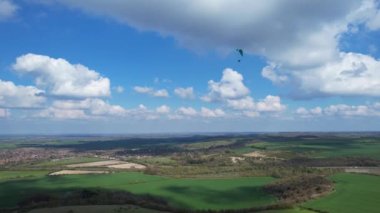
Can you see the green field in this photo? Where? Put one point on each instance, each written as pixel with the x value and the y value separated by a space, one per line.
pixel 10 175
pixel 354 193
pixel 208 144
pixel 320 147
pixel 182 193
pixel 66 161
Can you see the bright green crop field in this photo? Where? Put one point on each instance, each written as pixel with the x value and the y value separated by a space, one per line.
pixel 354 193
pixel 184 193
pixel 321 147
pixel 10 175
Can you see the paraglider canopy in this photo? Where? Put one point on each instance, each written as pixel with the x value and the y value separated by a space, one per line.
pixel 241 53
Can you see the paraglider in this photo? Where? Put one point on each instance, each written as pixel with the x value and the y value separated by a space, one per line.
pixel 241 53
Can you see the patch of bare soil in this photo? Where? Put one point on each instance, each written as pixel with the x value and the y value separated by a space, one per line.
pixel 127 166
pixel 95 164
pixel 236 159
pixel 255 154
pixel 113 164
pixel 77 172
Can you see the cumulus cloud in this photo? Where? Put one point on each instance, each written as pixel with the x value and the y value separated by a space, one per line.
pixel 14 96
pixel 3 113
pixel 209 113
pixel 270 73
pixel 61 114
pixel 342 110
pixel 92 106
pixel 81 109
pixel 230 86
pixel 346 110
pixel 270 104
pixel 60 78
pixel 143 113
pixel 352 74
pixel 150 91
pixel 187 111
pixel 163 109
pixel 161 93
pixel 245 103
pixel 303 112
pixel 7 9
pixel 144 90
pixel 263 28
pixel 190 112
pixel 292 44
pixel 185 93
pixel 231 91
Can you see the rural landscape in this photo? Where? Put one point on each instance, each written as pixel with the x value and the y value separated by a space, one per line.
pixel 283 172
pixel 189 106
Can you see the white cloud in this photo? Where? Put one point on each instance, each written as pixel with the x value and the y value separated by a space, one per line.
pixel 307 37
pixel 185 93
pixel 143 113
pixel 119 89
pixel 303 112
pixel 90 108
pixel 7 9
pixel 270 104
pixel 245 103
pixel 143 90
pixel 161 93
pixel 269 73
pixel 4 113
pixel 351 74
pixel 60 78
pixel 234 94
pixel 230 86
pixel 186 111
pixel 292 44
pixel 374 23
pixel 342 110
pixel 163 109
pixel 95 107
pixel 346 110
pixel 61 114
pixel 209 113
pixel 150 91
pixel 13 96
pixel 251 114
pixel 250 108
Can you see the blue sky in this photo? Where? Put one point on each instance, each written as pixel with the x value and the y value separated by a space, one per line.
pixel 140 66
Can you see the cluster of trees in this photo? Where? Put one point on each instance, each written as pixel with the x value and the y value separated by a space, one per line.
pixel 91 197
pixel 109 197
pixel 300 188
pixel 333 162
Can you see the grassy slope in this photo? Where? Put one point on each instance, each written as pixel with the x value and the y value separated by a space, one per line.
pixel 62 162
pixel 10 175
pixel 189 193
pixel 321 147
pixel 354 193
pixel 96 209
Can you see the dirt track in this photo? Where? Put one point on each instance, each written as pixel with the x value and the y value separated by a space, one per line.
pixel 127 166
pixel 77 172
pixel 95 164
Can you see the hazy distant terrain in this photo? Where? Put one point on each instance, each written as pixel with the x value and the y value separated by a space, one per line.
pixel 283 172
